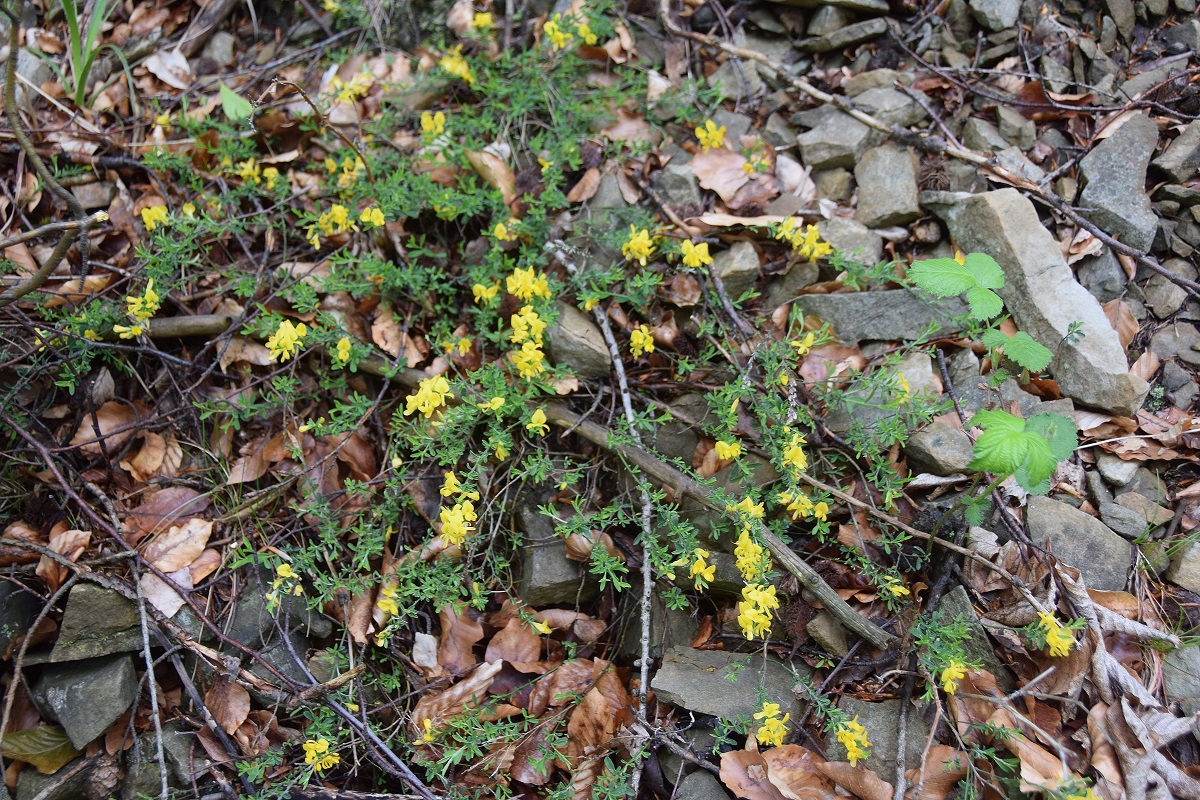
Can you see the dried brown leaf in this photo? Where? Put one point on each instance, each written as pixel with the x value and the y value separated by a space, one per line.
pixel 586 188
pixel 495 173
pixel 859 780
pixel 229 703
pixel 1122 319
pixel 745 774
pixel 460 634
pixel 159 593
pixel 721 171
pixel 165 507
pixel 516 644
pixel 113 423
pixel 69 544
pixel 792 770
pixel 179 546
pixel 19 531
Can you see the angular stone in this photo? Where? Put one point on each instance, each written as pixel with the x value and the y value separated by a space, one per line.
pixel 1173 377
pixel 1186 32
pixel 97 194
pixel 836 140
pixel 18 608
pixel 736 125
pixel 548 577
pixel 891 105
pixel 1122 14
pixel 827 20
pixel 725 684
pixel 1164 296
pixel 844 37
pixel 979 134
pixel 834 184
pixel 1181 678
pixel 701 785
pixel 1178 340
pixel 1081 541
pixel 737 80
pixel 870 408
pixel 978 647
pixel 852 239
pixel 1116 471
pixel 679 189
pixel 1124 521
pixel 874 79
pixel 220 48
pixel 96 622
pixel 608 195
pixel 737 268
pixel 575 340
pixel 939 449
pixel 1114 192
pixel 778 132
pixel 669 627
pixel 881 721
pixel 996 15
pixel 1102 275
pixel 679 437
pixel 1043 296
pixel 829 634
pixel 87 697
pixel 1182 158
pixel 888 315
pixel 1150 511
pixel 1185 568
pixel 787 287
pixel 69 783
pixel 869 6
pixel 1015 128
pixel 887 187
pixel 254 623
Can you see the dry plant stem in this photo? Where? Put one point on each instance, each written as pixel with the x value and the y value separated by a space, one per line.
pixel 336 132
pixel 930 144
pixel 152 686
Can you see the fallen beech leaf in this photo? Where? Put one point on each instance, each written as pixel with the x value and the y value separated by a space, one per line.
pixel 792 770
pixel 495 173
pixel 164 507
pixel 425 654
pixel 467 692
pixel 516 644
pixel 586 188
pixel 19 531
pixel 1122 320
pixel 1040 769
pixel 745 774
pixel 115 423
pixel 461 17
pixel 159 593
pixel 683 290
pixel 149 460
pixel 456 647
pixel 171 67
pixel 179 546
pixel 859 780
pixel 75 290
pixel 944 767
pixel 206 564
pixel 47 748
pixel 244 350
pixel 1146 365
pixel 229 703
pixel 720 170
pixel 69 544
pixel 629 127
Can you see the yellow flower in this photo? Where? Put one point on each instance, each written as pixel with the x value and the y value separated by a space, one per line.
pixel 755 611
pixel 783 379
pixel 153 216
pixel 397 462
pixel 702 572
pixel 455 64
pixel 820 511
pixel 493 405
pixel 285 570
pixel 853 737
pixel 542 628
pixel 793 454
pixel 1059 640
pixel 747 507
pixel 525 284
pixel 537 423
pixel 585 32
pixel 142 308
pixel 726 450
pixel 431 395
pixel 331 6
pixel 904 390
pixel 286 340
pixel 428 736
pixel 164 121
pixel 749 555
pixel 710 136
pixel 638 247
pixel 803 346
pixel 557 37
pixel 314 750
pixel 590 303
pixel 249 171
pixel 895 587
pixel 527 326
pixel 798 505
pixel 456 522
pixel 189 210
pixel 270 175
pixel 501 451
pixel 451 485
pixel 810 246
pixel 482 21
pixel 463 346
pixel 953 673
pixel 959 256
pixel 773 727
pixel 641 340
pixel 129 331
pixel 695 255
pixel 387 601
pixel 484 294
pixel 433 124
pixel 343 349
pixel 529 360
pixel 373 216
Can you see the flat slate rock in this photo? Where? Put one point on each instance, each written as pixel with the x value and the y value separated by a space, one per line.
pixel 1114 193
pixel 725 684
pixel 1081 541
pixel 96 622
pixel 888 315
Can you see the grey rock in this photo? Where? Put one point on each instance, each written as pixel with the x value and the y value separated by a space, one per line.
pixel 844 37
pixel 608 194
pixel 869 6
pixel 829 634
pixel 1102 275
pixel 828 19
pixel 220 48
pixel 548 577
pixel 939 449
pixel 1122 14
pixel 996 15
pixel 1185 568
pixel 882 721
pixel 679 189
pixel 18 608
pixel 701 740
pixel 725 684
pixel 184 753
pixel 736 125
pixel 737 268
pixel 286 658
pixel 1043 296
pixel 701 785
pixel 575 340
pixel 1184 395
pixel 874 79
pixel 1116 471
pixel 143 776
pixel 69 783
pixel 977 647
pixel 974 393
pixel 1101 494
pixel 852 239
pixel 1124 521
pixel 1186 32
pixel 1143 82
pixel 1012 159
pixel 836 140
pixel 34 70
pixel 736 80
pixel 887 187
pixel 777 132
pixel 1181 678
pixel 669 627
pixel 889 315
pixel 1182 157
pixel 254 624
pixel 891 105
pixel 1173 377
pixel 97 194
pixel 679 437
pixel 1165 297
pixel 1178 340
pixel 1151 512
pixel 1079 540
pixel 89 696
pixel 1187 7
pixel 786 287
pixel 1058 77
pixel 835 184
pixel 1147 484
pixel 1157 7
pixel 96 622
pixel 1114 192
pixel 1015 128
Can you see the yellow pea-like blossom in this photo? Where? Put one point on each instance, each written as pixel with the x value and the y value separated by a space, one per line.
pixel 756 610
pixel 537 423
pixel 456 64
pixel 954 672
pixel 793 454
pixel 526 284
pixel 530 360
pixel 695 255
pixel 747 507
pixel 772 727
pixel 853 737
pixel 641 340
pixel 527 326
pixel 727 450
pixel 484 294
pixel 483 21
pixel 153 216
pixel 343 349
pixel 553 30
pixel 710 136
pixel 803 346
pixel 542 628
pixel 287 339
pixel 431 395
pixel 427 734
pixel 895 587
pixel 1059 640
pixel 749 556
pixel 387 601
pixel 373 216
pixel 701 571
pixel 285 571
pixel 639 246
pixel 493 405
pixel 433 124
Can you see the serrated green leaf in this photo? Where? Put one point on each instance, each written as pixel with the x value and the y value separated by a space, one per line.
pixel 943 277
pixel 984 269
pixel 1058 430
pixel 46 748
pixel 1002 447
pixel 997 420
pixel 974 514
pixel 985 303
pixel 1034 471
pixel 235 106
pixel 1021 348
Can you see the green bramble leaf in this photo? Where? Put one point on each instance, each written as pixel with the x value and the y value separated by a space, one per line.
pixel 46 748
pixel 984 303
pixel 1058 430
pixel 985 270
pixel 943 277
pixel 1027 449
pixel 234 105
pixel 1021 348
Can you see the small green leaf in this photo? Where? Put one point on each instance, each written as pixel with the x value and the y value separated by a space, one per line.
pixel 45 747
pixel 1034 472
pixel 1002 446
pixel 1058 430
pixel 235 106
pixel 985 303
pixel 1021 348
pixel 943 277
pixel 985 270
pixel 1027 449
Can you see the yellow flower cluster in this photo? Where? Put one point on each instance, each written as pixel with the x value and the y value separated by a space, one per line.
pixel 728 449
pixel 484 295
pixel 895 587
pixel 526 284
pixel 373 217
pixel 431 395
pixel 793 454
pixel 560 38
pixel 750 556
pixel 387 600
pixel 427 734
pixel 351 90
pixel 1059 640
pixel 853 737
pixel 483 21
pixel 710 136
pixel 807 243
pixel 284 574
pixel 285 342
pixel 343 350
pixel 527 326
pixel 455 64
pixel 537 423
pixel 641 341
pixel 451 486
pixel 456 521
pixel 139 309
pixel 954 672
pixel 772 727
pixel 756 610
pixel 335 220
pixel 801 506
pixel 701 571
pixel 493 405
pixel 347 172
pixel 316 752
pixel 639 246
pixel 695 255
pixel 433 124
pixel 747 508
pixel 153 216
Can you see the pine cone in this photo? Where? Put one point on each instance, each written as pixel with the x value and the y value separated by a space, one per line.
pixel 105 777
